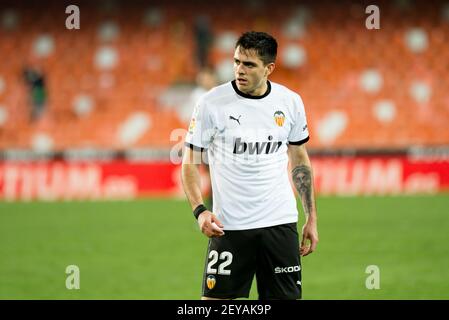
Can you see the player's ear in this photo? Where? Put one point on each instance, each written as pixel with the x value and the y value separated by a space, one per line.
pixel 269 68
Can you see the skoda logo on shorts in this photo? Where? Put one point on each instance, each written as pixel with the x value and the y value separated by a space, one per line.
pixel 287 269
pixel 211 282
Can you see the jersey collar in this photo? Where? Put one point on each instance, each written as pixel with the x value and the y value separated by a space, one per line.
pixel 248 96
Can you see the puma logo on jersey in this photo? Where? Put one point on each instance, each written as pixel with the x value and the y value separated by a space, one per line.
pixel 238 120
pixel 256 147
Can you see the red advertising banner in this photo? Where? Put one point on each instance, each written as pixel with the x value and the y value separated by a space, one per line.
pixel 120 179
pixel 90 180
pixel 380 175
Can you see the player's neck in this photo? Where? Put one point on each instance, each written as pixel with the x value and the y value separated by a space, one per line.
pixel 260 91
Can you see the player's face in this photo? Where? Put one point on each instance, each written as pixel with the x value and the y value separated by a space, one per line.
pixel 250 72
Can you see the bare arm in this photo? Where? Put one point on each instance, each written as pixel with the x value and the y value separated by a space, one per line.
pixel 190 177
pixel 302 177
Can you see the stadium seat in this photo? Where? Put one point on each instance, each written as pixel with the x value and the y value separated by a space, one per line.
pixel 153 55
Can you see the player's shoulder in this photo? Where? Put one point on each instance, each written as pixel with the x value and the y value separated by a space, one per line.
pixel 290 97
pixel 282 90
pixel 219 92
pixel 218 95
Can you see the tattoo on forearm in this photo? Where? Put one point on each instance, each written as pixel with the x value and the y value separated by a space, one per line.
pixel 302 178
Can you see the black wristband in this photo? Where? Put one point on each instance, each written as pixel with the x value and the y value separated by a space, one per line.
pixel 199 210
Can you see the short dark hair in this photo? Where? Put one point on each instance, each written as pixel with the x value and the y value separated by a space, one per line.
pixel 264 44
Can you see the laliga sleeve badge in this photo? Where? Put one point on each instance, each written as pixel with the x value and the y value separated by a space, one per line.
pixel 192 125
pixel 211 282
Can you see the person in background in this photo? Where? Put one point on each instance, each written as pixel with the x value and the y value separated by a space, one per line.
pixel 203 40
pixel 205 80
pixel 35 81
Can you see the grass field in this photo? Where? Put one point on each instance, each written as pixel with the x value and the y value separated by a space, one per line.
pixel 151 249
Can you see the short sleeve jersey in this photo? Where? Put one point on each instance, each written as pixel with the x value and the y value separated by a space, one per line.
pixel 246 139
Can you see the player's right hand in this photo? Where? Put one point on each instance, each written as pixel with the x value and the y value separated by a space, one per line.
pixel 210 225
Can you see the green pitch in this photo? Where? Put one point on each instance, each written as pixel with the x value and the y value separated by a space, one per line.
pixel 152 249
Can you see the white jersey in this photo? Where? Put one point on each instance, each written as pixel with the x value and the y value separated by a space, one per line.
pixel 246 139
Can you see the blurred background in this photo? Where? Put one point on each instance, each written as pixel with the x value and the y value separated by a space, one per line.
pixel 92 122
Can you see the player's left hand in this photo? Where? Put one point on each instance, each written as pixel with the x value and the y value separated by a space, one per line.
pixel 210 225
pixel 309 233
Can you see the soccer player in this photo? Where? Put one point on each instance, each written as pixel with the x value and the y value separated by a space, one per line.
pixel 251 128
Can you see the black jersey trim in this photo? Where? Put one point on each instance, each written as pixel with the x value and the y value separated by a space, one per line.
pixel 193 147
pixel 248 96
pixel 300 142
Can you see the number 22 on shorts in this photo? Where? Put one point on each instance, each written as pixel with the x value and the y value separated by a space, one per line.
pixel 225 260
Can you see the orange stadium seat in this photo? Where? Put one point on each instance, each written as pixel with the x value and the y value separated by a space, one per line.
pixel 339 49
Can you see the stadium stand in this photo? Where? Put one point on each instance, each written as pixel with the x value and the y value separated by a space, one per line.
pixel 362 88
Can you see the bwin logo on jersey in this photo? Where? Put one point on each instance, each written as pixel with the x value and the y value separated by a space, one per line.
pixel 256 147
